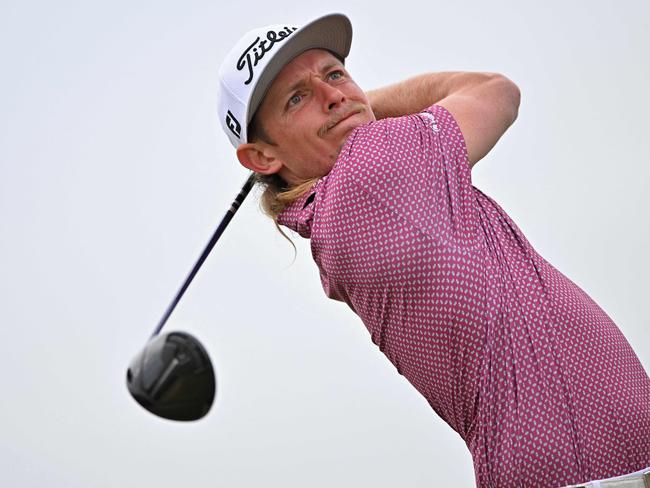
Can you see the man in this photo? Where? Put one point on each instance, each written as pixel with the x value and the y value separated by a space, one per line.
pixel 527 368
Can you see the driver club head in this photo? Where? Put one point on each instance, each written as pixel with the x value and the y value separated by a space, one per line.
pixel 172 377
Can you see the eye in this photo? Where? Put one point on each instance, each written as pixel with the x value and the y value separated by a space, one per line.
pixel 295 99
pixel 336 75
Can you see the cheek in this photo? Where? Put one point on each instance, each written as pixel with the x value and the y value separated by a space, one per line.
pixel 299 124
pixel 356 91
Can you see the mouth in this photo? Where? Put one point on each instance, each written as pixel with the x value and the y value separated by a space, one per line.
pixel 333 123
pixel 341 119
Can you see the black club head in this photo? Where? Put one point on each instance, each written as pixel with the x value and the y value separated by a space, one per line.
pixel 173 377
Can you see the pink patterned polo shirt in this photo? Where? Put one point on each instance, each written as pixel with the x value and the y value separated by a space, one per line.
pixel 515 357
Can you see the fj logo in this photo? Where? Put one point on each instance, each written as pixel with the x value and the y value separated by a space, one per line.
pixel 233 124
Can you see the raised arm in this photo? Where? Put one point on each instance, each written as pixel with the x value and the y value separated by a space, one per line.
pixel 483 104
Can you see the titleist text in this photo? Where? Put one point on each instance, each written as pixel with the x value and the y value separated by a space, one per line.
pixel 254 53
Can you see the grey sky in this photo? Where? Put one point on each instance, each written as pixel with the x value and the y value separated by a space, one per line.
pixel 114 172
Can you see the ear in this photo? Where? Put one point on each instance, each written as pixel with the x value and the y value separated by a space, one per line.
pixel 256 157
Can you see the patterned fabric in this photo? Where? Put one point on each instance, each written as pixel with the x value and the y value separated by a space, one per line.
pixel 514 356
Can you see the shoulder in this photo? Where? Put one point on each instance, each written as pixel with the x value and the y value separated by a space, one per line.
pixel 390 147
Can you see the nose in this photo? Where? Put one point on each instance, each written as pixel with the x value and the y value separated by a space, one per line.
pixel 331 96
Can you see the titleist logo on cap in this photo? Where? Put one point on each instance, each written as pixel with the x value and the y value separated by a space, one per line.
pixel 259 48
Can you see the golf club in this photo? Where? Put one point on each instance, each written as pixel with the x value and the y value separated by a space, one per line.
pixel 172 376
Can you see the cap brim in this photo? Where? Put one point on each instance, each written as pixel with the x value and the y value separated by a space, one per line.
pixel 332 32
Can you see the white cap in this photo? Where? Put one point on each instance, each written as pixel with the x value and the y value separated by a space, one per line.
pixel 251 66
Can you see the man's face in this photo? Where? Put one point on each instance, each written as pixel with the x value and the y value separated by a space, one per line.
pixel 309 111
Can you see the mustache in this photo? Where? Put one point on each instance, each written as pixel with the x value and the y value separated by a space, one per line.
pixel 354 108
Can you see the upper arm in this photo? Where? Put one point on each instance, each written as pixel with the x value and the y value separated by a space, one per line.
pixel 483 113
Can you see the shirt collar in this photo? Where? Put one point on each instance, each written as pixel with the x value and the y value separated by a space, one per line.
pixel 298 215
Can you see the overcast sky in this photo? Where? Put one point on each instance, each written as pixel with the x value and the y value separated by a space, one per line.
pixel 114 172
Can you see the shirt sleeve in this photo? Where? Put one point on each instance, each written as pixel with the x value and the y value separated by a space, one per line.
pixel 417 166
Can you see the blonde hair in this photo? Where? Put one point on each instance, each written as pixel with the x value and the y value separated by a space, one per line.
pixel 277 195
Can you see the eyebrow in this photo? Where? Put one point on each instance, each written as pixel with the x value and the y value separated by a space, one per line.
pixel 301 81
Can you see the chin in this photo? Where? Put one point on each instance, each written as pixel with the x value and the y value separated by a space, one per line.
pixel 347 128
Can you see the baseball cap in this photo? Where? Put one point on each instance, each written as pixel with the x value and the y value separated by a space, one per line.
pixel 250 67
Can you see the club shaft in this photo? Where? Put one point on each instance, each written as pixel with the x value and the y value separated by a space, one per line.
pixel 215 237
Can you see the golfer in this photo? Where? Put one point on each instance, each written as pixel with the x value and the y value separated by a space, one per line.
pixel 534 376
